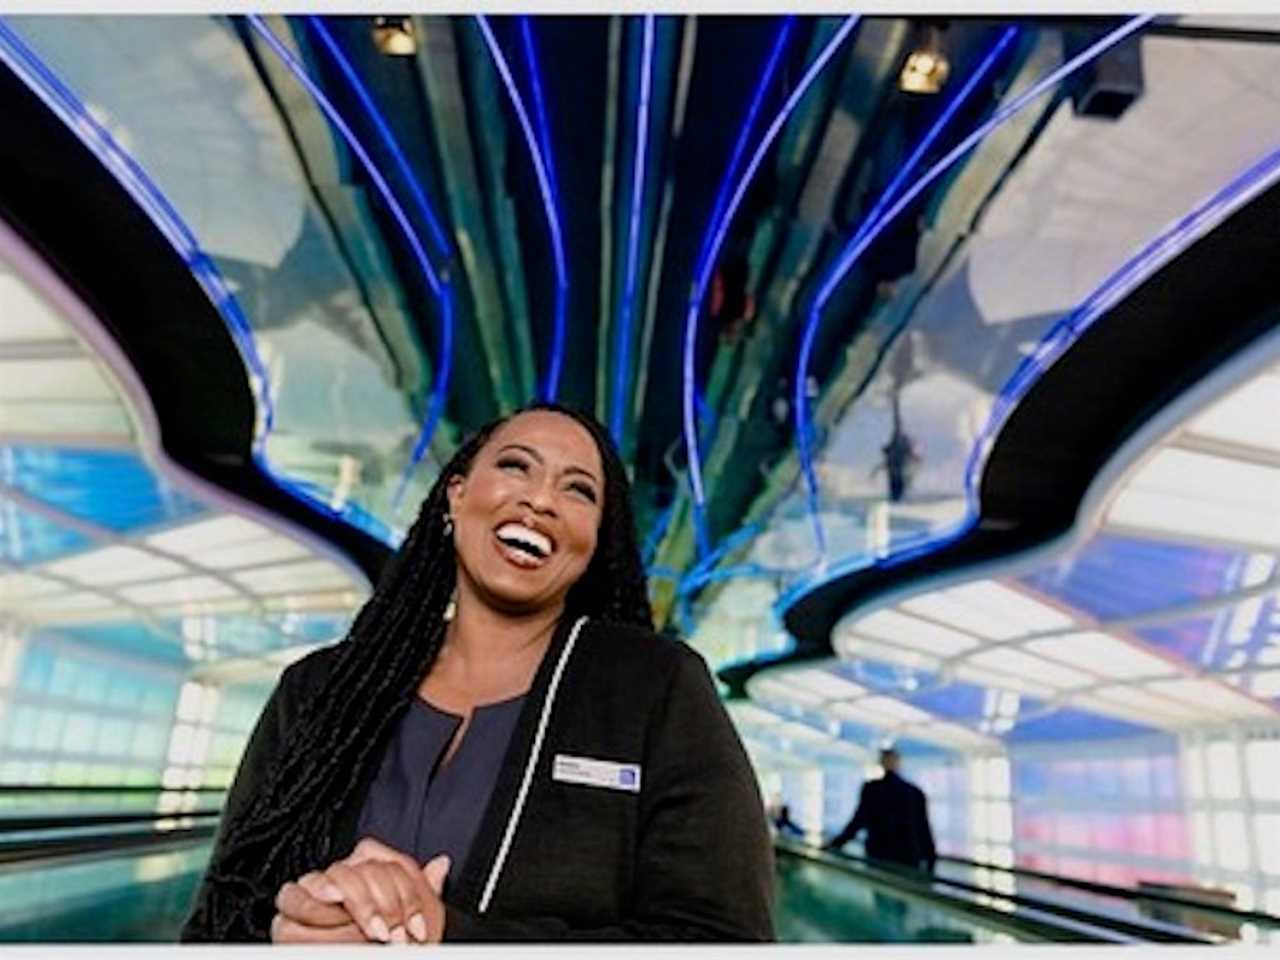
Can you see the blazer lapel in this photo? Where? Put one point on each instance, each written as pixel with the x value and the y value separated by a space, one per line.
pixel 469 884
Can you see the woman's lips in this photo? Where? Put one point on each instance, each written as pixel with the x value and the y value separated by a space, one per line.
pixel 518 558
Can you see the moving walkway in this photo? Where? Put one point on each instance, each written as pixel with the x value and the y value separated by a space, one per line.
pixel 103 864
pixel 825 896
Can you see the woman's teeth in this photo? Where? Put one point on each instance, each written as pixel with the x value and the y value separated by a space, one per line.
pixel 518 537
pixel 523 546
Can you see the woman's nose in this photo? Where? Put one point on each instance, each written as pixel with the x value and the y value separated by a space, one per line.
pixel 541 498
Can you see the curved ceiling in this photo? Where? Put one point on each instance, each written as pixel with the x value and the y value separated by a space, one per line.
pixel 104 541
pixel 720 234
pixel 1161 615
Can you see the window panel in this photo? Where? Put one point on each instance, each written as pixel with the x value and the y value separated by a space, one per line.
pixel 148 741
pixel 114 736
pixel 1194 767
pixel 23 721
pixel 904 630
pixel 78 733
pixel 158 699
pixel 123 692
pixel 62 681
pixel 1172 836
pixel 1143 833
pixel 1246 416
pixel 68 774
pixel 1103 778
pixel 1203 838
pixel 91 684
pixel 1223 763
pixel 1231 842
pixel 1135 773
pixel 1266 831
pixel 48 730
pixel 1262 760
pixel 36 670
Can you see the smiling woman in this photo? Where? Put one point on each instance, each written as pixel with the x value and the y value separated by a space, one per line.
pixel 501 749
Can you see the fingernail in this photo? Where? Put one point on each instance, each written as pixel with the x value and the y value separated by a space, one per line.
pixel 379 928
pixel 399 936
pixel 418 927
pixel 330 892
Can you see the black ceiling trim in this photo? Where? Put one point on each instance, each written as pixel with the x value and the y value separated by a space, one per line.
pixel 65 203
pixel 1206 306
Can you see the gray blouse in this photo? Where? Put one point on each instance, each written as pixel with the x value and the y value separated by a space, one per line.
pixel 424 808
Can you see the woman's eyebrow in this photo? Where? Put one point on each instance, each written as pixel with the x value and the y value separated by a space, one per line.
pixel 572 468
pixel 520 446
pixel 582 470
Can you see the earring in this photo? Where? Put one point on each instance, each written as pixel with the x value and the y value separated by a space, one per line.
pixel 451 608
pixel 448 524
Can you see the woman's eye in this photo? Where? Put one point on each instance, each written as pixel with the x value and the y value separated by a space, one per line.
pixel 513 462
pixel 585 490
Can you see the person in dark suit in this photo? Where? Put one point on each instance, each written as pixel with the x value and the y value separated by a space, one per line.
pixel 894 814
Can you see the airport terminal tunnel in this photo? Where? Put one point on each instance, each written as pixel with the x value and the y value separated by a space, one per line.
pixel 944 355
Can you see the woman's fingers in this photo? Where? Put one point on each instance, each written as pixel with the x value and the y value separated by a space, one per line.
pixel 375 910
pixel 435 871
pixel 320 887
pixel 295 902
pixel 409 888
pixel 370 849
pixel 387 895
pixel 285 930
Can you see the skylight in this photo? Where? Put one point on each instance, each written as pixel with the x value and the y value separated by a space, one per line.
pixel 1104 654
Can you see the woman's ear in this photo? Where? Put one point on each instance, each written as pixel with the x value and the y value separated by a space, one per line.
pixel 454 490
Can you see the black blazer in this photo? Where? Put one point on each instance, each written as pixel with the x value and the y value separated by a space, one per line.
pixel 896 819
pixel 677 849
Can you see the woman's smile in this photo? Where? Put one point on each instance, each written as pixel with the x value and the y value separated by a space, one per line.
pixel 523 546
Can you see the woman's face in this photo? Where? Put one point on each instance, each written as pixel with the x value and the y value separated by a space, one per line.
pixel 526 516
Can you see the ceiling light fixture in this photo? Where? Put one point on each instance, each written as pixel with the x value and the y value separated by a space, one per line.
pixel 927 66
pixel 393 36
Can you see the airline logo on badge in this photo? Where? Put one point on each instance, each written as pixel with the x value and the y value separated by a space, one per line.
pixel 596 773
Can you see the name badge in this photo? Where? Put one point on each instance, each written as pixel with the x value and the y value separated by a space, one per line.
pixel 596 773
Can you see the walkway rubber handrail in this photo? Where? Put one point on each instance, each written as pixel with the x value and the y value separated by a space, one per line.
pixel 47 849
pixel 81 788
pixel 1152 930
pixel 1024 922
pixel 1124 893
pixel 79 821
pixel 1143 930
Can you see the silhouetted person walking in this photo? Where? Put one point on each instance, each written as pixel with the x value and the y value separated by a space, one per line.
pixel 894 814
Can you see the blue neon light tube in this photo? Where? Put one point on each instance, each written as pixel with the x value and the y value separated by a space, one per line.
pixel 409 178
pixel 26 64
pixel 622 340
pixel 831 282
pixel 540 107
pixel 1161 250
pixel 864 237
pixel 701 281
pixel 551 385
pixel 440 288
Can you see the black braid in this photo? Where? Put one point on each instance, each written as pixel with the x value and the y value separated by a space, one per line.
pixel 284 830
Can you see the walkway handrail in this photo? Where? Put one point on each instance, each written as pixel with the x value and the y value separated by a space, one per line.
pixel 1025 923
pixel 21 788
pixel 80 821
pixel 27 851
pixel 1124 893
pixel 1075 918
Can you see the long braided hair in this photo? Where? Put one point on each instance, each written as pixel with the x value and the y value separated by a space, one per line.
pixel 284 830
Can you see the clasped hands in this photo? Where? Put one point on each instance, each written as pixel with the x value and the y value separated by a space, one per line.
pixel 377 894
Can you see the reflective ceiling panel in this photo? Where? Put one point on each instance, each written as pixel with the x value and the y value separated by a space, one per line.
pixel 719 263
